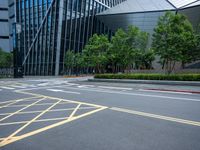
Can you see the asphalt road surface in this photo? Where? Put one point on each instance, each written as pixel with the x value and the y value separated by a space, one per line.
pixel 73 114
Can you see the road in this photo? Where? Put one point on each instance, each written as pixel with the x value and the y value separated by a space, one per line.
pixel 60 113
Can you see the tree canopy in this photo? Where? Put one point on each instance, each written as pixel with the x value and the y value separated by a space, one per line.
pixel 94 52
pixel 129 49
pixel 174 40
pixel 6 59
pixel 125 50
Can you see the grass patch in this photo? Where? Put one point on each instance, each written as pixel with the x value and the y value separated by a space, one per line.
pixel 173 77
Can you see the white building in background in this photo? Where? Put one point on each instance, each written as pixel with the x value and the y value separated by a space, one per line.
pixel 4 26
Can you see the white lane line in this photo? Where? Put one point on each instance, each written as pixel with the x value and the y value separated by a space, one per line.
pixel 136 94
pixel 54 90
pixel 33 87
pixel 171 92
pixel 71 84
pixel 17 86
pixel 43 84
pixel 116 92
pixel 85 86
pixel 57 90
pixel 161 117
pixel 115 88
pixel 39 87
pixel 8 88
pixel 70 92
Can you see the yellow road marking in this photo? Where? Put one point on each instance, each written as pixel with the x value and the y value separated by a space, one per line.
pixel 11 140
pixel 144 114
pixel 27 124
pixel 75 110
pixel 40 120
pixel 14 84
pixel 42 104
pixel 1 139
pixel 73 101
pixel 53 110
pixel 18 100
pixel 8 104
pixel 33 94
pixel 13 137
pixel 22 109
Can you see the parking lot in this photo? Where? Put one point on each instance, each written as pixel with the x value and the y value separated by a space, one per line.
pixel 60 113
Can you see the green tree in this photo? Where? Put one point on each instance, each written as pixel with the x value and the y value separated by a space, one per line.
pixel 128 48
pixel 174 40
pixel 196 51
pixel 120 52
pixel 138 40
pixel 80 60
pixel 80 63
pixel 69 61
pixel 198 45
pixel 144 59
pixel 95 52
pixel 6 59
pixel 117 49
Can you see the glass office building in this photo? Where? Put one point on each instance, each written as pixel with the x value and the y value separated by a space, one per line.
pixel 51 27
pixel 145 13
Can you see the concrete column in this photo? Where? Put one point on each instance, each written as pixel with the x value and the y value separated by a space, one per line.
pixel 59 34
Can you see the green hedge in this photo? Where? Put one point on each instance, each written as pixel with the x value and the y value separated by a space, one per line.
pixel 175 77
pixel 6 76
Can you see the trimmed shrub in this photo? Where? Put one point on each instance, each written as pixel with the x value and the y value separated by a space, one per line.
pixel 174 77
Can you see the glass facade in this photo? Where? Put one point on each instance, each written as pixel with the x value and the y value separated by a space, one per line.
pixel 182 3
pixel 51 27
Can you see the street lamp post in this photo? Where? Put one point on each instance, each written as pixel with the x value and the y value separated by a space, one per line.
pixel 18 69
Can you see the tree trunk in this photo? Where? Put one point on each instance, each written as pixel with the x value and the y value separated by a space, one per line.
pixel 182 65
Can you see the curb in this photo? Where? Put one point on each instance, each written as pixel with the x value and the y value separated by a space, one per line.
pixel 182 91
pixel 166 82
